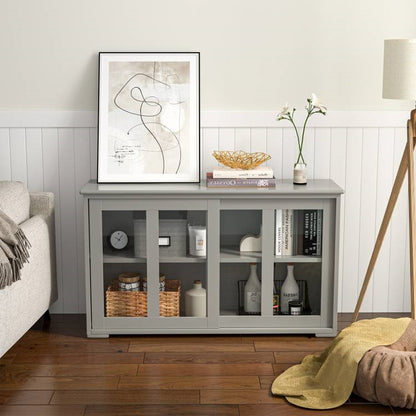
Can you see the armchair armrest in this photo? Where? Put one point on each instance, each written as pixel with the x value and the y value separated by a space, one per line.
pixel 42 204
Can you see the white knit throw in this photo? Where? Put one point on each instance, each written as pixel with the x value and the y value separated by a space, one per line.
pixel 13 250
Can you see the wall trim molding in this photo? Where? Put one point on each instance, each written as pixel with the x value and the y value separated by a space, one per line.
pixel 45 119
pixel 210 119
pixel 333 119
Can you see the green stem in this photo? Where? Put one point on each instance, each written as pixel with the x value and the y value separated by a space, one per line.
pixel 296 131
pixel 303 138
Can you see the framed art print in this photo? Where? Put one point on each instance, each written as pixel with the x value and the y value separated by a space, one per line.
pixel 148 117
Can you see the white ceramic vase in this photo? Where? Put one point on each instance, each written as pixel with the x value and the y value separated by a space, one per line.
pixel 252 292
pixel 289 290
pixel 196 300
pixel 300 174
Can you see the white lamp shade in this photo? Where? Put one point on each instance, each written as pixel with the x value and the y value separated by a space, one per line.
pixel 399 77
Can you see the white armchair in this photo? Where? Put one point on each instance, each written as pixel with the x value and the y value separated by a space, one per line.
pixel 26 300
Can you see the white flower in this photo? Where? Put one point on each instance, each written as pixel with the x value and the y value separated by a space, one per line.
pixel 283 112
pixel 316 102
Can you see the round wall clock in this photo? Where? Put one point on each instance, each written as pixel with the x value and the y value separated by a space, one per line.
pixel 119 239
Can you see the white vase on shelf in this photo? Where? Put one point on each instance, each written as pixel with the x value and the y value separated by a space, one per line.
pixel 289 290
pixel 196 300
pixel 252 292
pixel 300 174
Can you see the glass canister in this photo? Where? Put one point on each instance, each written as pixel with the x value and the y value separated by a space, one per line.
pixel 162 283
pixel 129 281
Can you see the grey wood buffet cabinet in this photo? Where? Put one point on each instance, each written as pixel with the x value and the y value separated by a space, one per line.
pixel 228 215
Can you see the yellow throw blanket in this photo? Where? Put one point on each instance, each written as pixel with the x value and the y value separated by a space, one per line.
pixel 326 381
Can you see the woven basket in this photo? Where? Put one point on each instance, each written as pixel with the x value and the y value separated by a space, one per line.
pixel 127 303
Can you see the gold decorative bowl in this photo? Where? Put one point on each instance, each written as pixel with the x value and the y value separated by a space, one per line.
pixel 239 159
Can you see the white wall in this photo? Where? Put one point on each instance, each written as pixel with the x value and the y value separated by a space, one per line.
pixel 255 55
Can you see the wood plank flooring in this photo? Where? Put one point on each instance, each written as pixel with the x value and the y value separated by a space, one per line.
pixel 56 370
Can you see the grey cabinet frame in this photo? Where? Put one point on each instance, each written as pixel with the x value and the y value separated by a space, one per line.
pixel 318 194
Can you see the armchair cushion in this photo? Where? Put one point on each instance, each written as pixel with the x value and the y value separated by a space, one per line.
pixel 14 200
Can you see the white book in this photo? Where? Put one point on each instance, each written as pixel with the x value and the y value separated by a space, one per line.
pixel 224 172
pixel 319 233
pixel 279 232
pixel 287 249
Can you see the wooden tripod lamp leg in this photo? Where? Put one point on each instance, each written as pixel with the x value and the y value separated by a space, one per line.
pixel 412 225
pixel 383 227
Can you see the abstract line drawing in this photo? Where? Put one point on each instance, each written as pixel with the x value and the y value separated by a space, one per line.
pixel 149 118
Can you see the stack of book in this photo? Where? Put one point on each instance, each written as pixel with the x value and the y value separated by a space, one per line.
pixel 298 232
pixel 224 177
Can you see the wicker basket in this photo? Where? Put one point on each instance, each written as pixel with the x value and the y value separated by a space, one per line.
pixel 127 303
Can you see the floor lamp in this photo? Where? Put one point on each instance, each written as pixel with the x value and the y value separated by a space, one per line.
pixel 399 82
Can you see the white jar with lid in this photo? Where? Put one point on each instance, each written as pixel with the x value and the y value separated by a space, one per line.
pixel 196 300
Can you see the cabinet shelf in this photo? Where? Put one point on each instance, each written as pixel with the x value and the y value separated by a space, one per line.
pixel 298 259
pixel 229 313
pixel 234 255
pixel 128 257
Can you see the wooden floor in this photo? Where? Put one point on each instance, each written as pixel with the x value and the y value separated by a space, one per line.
pixel 57 371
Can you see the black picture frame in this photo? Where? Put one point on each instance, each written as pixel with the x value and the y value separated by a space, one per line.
pixel 148 117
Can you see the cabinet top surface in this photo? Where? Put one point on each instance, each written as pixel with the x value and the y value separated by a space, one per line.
pixel 283 187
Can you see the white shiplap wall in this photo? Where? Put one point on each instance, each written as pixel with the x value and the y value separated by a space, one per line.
pixel 56 151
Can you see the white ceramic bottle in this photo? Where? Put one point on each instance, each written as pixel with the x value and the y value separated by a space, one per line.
pixel 289 290
pixel 252 292
pixel 196 300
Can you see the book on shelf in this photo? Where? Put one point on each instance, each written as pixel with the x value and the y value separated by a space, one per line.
pixel 312 233
pixel 239 182
pixel 319 233
pixel 298 232
pixel 307 232
pixel 279 232
pixel 231 173
pixel 287 248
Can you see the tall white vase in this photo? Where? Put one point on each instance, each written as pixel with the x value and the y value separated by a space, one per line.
pixel 252 291
pixel 289 290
